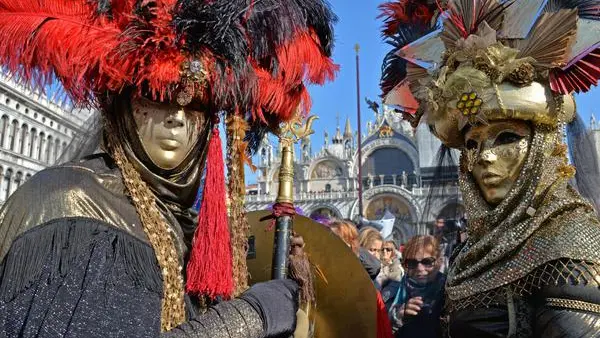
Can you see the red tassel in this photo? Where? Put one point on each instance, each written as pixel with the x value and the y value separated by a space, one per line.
pixel 384 327
pixel 209 271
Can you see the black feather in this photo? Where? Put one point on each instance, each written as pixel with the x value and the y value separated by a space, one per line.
pixel 393 70
pixel 103 7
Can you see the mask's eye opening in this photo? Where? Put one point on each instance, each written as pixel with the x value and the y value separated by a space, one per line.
pixel 507 137
pixel 471 144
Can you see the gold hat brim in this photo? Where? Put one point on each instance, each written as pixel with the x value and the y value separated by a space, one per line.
pixel 534 102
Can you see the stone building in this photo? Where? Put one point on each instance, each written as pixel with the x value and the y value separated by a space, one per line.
pixel 33 133
pixel 397 167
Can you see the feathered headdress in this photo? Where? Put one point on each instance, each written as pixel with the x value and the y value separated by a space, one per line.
pixel 248 58
pixel 471 61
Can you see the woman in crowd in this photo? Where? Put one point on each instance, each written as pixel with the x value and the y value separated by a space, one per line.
pixel 417 306
pixel 391 269
pixel 370 239
pixel 391 272
pixel 495 79
pixel 346 230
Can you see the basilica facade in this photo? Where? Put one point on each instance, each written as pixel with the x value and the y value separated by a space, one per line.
pixel 34 133
pixel 398 169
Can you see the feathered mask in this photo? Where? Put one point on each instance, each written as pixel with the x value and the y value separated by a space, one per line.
pixel 470 61
pixel 248 55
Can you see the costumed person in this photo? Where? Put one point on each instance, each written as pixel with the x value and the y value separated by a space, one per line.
pixel 106 246
pixel 496 81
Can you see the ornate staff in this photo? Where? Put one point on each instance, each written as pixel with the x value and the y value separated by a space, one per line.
pixel 289 133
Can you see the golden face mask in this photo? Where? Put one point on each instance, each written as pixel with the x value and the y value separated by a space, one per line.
pixel 496 153
pixel 167 132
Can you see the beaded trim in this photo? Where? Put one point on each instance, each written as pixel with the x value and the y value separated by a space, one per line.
pixel 573 304
pixel 159 234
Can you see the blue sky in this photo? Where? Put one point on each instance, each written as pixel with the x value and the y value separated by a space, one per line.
pixel 358 23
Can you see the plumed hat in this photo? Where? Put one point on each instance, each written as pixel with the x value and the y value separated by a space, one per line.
pixel 252 56
pixel 465 61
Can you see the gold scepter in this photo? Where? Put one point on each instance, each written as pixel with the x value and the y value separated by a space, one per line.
pixel 289 133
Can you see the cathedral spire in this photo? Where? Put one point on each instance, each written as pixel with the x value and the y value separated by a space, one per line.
pixel 348 129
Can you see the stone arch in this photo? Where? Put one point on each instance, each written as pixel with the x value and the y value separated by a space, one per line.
pixel 394 192
pixel 404 210
pixel 336 165
pixel 324 210
pixel 403 145
pixel 451 210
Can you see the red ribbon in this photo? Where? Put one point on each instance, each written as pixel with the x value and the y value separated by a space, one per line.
pixel 279 210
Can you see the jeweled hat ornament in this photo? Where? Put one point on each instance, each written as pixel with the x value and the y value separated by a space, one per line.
pixel 462 62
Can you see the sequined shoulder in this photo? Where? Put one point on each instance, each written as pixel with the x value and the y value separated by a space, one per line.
pixel 89 188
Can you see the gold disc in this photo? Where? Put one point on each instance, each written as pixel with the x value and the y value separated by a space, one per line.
pixel 346 297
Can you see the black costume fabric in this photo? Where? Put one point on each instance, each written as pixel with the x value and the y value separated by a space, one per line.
pixel 80 265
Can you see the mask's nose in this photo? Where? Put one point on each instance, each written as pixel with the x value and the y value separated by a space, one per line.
pixel 176 119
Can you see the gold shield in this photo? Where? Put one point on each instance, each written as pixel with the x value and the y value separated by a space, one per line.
pixel 345 296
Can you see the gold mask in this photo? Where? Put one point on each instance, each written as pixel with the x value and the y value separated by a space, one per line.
pixel 496 153
pixel 167 132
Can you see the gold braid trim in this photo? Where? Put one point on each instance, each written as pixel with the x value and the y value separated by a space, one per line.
pixel 573 304
pixel 239 228
pixel 159 234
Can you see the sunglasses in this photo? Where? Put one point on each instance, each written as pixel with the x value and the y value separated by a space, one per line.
pixel 388 249
pixel 413 263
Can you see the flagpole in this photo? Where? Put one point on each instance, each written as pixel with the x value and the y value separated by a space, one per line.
pixel 360 183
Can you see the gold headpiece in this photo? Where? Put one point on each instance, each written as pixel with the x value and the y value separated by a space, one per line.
pixel 517 59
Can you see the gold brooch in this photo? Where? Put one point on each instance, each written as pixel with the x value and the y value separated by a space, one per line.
pixel 469 104
pixel 193 77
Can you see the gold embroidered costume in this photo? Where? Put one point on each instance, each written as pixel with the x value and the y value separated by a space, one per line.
pixel 478 72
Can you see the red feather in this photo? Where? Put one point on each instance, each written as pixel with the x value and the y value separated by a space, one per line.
pixel 579 77
pixel 301 61
pixel 396 14
pixel 45 38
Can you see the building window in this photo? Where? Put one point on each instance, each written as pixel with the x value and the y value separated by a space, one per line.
pixel 40 150
pixel 24 138
pixel 7 101
pixel 18 179
pixel 49 147
pixel 3 129
pixel 33 144
pixel 18 106
pixel 327 187
pixel 7 184
pixel 56 150
pixel 26 110
pixel 12 135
